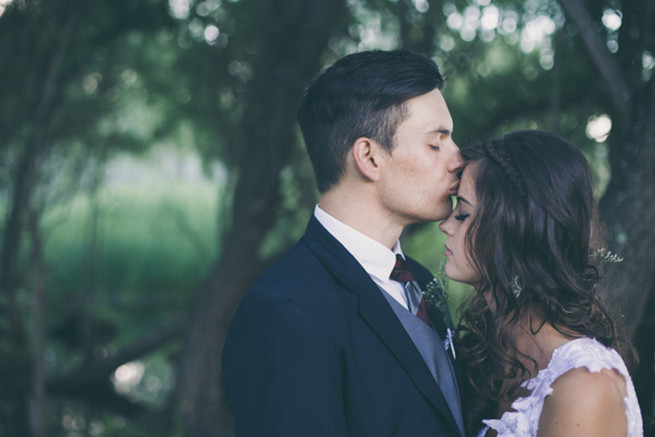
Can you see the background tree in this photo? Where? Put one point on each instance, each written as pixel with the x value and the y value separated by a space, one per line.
pixel 289 51
pixel 624 62
pixel 58 83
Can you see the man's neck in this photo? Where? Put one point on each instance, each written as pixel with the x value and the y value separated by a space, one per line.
pixel 362 215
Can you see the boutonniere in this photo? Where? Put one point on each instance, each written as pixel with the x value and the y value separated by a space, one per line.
pixel 436 299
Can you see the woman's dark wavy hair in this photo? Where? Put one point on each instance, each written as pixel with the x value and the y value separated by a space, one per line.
pixel 536 220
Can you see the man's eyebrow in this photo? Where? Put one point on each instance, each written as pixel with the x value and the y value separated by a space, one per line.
pixel 441 130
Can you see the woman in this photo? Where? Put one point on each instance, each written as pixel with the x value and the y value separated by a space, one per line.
pixel 538 348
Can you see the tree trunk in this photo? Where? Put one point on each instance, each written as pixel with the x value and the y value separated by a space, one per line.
pixel 37 397
pixel 25 175
pixel 289 54
pixel 9 280
pixel 629 213
pixel 627 207
pixel 644 377
pixel 628 284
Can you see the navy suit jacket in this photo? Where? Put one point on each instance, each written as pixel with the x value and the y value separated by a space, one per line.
pixel 315 350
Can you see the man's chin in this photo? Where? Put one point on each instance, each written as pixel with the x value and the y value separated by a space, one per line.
pixel 433 219
pixel 444 211
pixel 436 215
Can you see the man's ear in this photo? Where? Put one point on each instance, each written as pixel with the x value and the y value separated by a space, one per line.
pixel 368 156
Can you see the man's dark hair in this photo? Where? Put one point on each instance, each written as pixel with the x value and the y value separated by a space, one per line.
pixel 361 95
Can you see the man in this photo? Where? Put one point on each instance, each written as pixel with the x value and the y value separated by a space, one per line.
pixel 326 343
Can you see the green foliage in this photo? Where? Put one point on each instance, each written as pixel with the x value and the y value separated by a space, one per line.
pixel 142 246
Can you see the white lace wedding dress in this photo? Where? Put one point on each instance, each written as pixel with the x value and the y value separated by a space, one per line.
pixel 581 352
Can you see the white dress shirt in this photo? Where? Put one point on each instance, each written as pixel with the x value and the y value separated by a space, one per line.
pixel 374 257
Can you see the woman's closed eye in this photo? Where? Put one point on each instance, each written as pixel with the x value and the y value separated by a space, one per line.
pixel 462 217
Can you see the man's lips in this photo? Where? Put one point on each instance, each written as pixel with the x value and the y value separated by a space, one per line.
pixel 453 189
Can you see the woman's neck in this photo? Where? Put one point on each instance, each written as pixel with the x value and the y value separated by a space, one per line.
pixel 538 340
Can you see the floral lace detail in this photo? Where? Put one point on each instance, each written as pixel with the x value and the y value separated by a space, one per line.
pixel 581 352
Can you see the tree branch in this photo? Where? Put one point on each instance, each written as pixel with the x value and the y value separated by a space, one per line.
pixel 98 373
pixel 620 91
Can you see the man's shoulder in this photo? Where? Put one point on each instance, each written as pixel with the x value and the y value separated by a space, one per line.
pixel 298 274
pixel 297 264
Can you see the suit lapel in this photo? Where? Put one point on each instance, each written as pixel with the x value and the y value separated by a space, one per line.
pixel 375 310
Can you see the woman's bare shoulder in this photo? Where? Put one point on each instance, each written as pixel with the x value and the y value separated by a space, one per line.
pixel 585 403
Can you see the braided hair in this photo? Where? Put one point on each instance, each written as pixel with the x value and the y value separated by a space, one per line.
pixel 503 160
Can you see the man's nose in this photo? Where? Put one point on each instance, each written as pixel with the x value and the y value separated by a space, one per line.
pixel 456 163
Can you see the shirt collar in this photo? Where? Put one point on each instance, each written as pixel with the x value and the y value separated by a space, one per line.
pixel 374 257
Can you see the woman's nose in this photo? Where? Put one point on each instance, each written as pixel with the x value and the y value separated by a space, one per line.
pixel 443 227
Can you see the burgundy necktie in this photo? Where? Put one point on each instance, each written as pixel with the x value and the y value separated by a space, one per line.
pixel 415 300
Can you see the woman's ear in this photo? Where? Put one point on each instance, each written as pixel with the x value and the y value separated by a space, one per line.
pixel 368 156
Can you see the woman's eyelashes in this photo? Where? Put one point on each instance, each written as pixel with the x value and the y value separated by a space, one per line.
pixel 461 217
